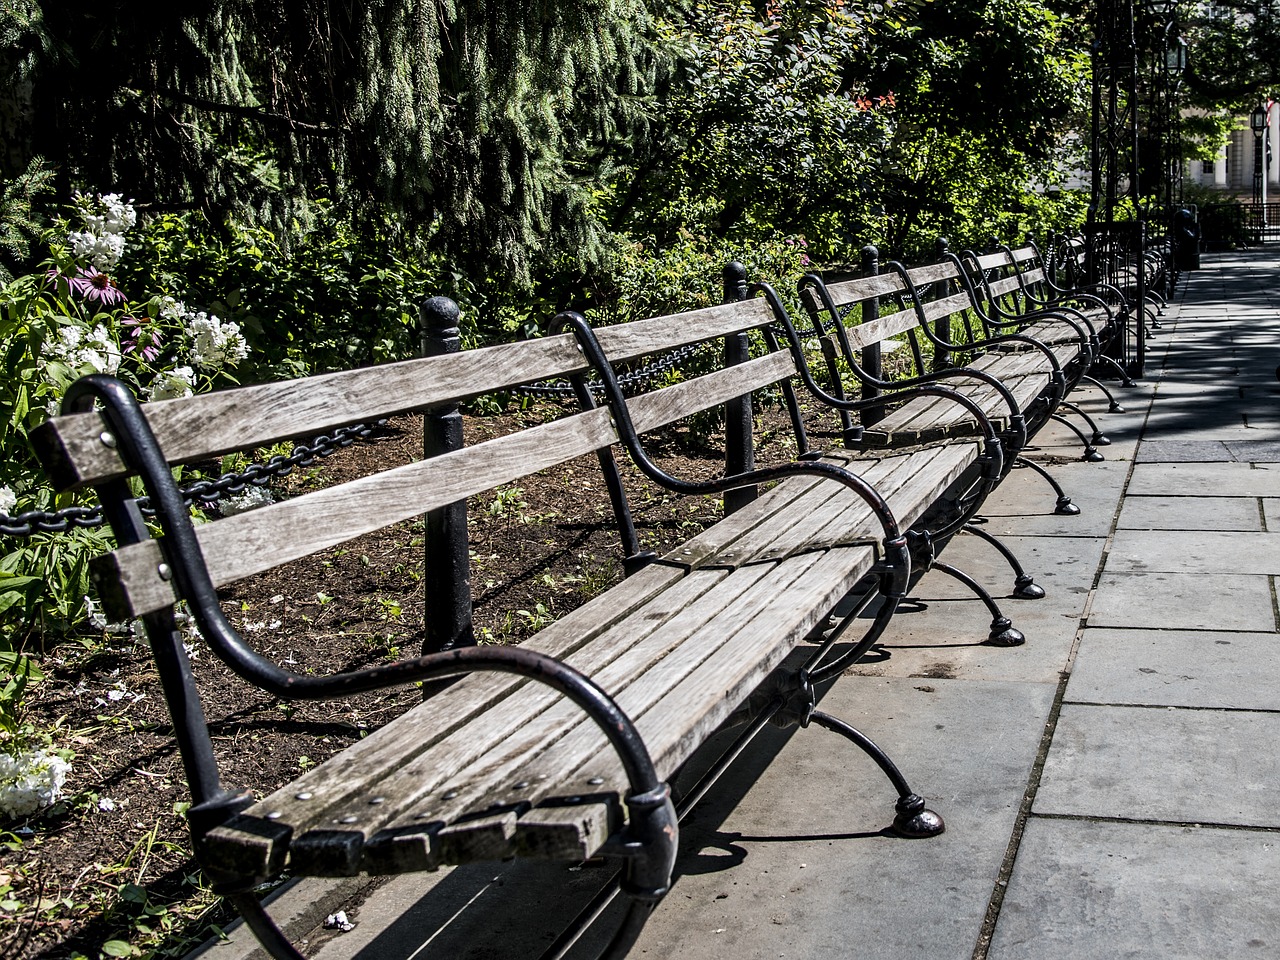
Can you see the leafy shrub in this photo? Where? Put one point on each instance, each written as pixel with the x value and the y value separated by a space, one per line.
pixel 325 298
pixel 66 319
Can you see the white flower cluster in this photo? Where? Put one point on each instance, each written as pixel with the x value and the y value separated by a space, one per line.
pixel 95 350
pixel 30 781
pixel 8 500
pixel 248 499
pixel 107 219
pixel 215 342
pixel 171 309
pixel 257 626
pixel 170 384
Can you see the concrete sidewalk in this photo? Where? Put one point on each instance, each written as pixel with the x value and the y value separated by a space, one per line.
pixel 1110 788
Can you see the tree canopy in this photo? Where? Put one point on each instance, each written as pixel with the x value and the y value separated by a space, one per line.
pixel 521 141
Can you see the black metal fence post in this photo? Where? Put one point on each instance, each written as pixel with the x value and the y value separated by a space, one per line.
pixel 739 436
pixel 941 326
pixel 447 571
pixel 872 361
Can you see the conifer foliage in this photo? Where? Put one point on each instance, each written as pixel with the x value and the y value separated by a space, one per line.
pixel 476 121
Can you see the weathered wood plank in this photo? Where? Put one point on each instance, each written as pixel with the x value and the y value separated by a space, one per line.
pixel 933 272
pixel 213 424
pixel 864 288
pixel 882 328
pixel 572 831
pixel 989 261
pixel 131 583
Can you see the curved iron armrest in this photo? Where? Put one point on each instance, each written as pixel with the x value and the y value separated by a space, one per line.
pixel 1057 378
pixel 1017 420
pixel 993 448
pixel 141 451
pixel 1042 304
pixel 893 569
pixel 1088 341
pixel 576 324
pixel 1068 293
pixel 995 461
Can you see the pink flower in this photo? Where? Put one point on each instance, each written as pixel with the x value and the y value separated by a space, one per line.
pixel 141 338
pixel 96 286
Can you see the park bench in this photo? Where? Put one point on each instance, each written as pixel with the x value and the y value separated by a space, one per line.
pixel 561 747
pixel 1116 263
pixel 1014 292
pixel 945 306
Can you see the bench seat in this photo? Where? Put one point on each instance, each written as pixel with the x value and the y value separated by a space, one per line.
pixel 929 419
pixel 496 766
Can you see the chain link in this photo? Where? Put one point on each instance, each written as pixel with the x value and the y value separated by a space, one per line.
pixel 630 382
pixel 201 492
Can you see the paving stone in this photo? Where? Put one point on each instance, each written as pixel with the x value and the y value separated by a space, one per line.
pixel 1271 513
pixel 1163 763
pixel 1171 450
pixel 1256 451
pixel 939 631
pixel 1190 513
pixel 1204 479
pixel 1194 551
pixel 1178 601
pixel 1101 891
pixel 1177 668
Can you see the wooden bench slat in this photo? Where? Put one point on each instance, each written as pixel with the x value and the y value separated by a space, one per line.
pixel 989 261
pixel 933 272
pixel 131 583
pixel 228 421
pixel 874 331
pixel 861 288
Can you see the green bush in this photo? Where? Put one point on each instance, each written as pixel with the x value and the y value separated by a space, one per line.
pixel 65 319
pixel 324 298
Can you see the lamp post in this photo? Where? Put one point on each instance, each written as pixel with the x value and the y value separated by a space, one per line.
pixel 1175 65
pixel 1259 121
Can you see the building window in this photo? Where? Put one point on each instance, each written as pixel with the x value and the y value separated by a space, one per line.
pixel 1207 167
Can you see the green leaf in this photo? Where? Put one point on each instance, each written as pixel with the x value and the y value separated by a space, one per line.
pixel 117 948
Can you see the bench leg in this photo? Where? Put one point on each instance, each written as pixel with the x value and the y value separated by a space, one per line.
pixel 1113 404
pixel 264 928
pixel 1002 632
pixel 1024 585
pixel 911 818
pixel 1099 438
pixel 1065 507
pixel 1091 453
pixel 1118 370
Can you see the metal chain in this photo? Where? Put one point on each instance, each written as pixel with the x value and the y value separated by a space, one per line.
pixel 642 376
pixel 31 522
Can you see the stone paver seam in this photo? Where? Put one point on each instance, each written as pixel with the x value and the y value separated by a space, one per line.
pixel 1170 708
pixel 1143 822
pixel 1001 886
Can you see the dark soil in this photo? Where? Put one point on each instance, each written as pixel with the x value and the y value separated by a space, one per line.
pixel 112 861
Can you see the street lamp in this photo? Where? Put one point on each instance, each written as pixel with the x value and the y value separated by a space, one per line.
pixel 1175 56
pixel 1258 120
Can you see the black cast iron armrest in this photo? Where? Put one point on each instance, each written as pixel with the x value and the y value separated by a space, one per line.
pixel 141 452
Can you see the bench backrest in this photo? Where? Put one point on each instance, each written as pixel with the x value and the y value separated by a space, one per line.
pixel 79 450
pixel 868 311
